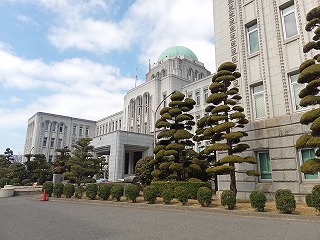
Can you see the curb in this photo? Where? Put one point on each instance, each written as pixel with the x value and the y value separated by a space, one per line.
pixel 186 208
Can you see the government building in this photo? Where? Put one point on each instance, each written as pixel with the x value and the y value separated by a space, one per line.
pixel 265 40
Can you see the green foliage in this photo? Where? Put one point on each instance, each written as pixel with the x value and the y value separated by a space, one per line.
pixel 26 182
pixel 177 96
pixel 48 186
pixel 91 190
pixel 132 192
pixel 15 182
pixel 311 166
pixel 228 198
pixel 167 195
pixel 68 190
pixel 104 190
pixel 229 66
pixel 150 194
pixel 258 200
pixel 220 169
pixel 285 201
pixel 253 173
pixel 181 194
pixel 4 181
pixel 144 168
pixel 316 197
pixel 60 160
pixel 58 190
pixel 204 196
pixel 309 200
pixel 117 191
pixel 79 192
pixel 231 159
pixel 302 141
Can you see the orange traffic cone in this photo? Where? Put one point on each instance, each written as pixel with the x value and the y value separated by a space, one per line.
pixel 44 196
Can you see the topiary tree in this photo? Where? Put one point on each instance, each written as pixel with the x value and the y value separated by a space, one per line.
pixel 58 189
pixel 91 191
pixel 59 165
pixel 174 152
pixel 223 126
pixel 104 190
pixel 315 197
pixel 68 190
pixel 204 196
pixel 309 75
pixel 181 194
pixel 285 201
pixel 132 192
pixel 144 168
pixel 117 192
pixel 258 200
pixel 48 186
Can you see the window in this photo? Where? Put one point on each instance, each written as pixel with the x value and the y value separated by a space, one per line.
pixel 253 40
pixel 50 158
pixel 46 125
pixel 52 142
pixel 189 94
pixel 190 74
pixel 145 128
pixel 195 75
pixel 116 125
pixel 81 130
pixel 120 124
pixel 97 131
pixel 258 101
pixel 61 128
pixel 164 96
pixel 197 98
pixel 264 165
pixel 112 126
pixel 54 127
pixel 205 94
pixel 295 90
pixel 307 154
pixel 74 129
pixel 87 131
pixel 289 22
pixel 44 144
pixel 59 143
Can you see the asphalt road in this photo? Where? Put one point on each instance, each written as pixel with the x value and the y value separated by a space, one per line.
pixel 26 218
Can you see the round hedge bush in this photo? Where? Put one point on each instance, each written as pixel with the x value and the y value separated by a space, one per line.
pixel 132 192
pixel 150 194
pixel 79 192
pixel 15 182
pixel 285 201
pixel 167 195
pixel 26 182
pixel 104 191
pixel 117 192
pixel 258 200
pixel 91 191
pixel 228 198
pixel 309 200
pixel 4 181
pixel 58 189
pixel 316 197
pixel 204 196
pixel 181 194
pixel 68 190
pixel 48 186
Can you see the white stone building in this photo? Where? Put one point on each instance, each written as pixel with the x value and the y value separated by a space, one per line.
pixel 265 39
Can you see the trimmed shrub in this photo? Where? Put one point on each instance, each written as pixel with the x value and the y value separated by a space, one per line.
pixel 68 190
pixel 181 194
pixel 26 182
pixel 117 192
pixel 204 196
pixel 167 195
pixel 91 190
pixel 58 189
pixel 15 182
pixel 309 200
pixel 228 198
pixel 79 192
pixel 285 201
pixel 150 194
pixel 90 180
pixel 316 197
pixel 132 192
pixel 258 200
pixel 104 191
pixel 4 181
pixel 48 186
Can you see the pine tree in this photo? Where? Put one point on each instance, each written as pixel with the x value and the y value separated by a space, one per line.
pixel 223 125
pixel 310 76
pixel 60 160
pixel 174 154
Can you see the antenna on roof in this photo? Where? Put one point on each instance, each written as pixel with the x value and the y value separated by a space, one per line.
pixel 136 78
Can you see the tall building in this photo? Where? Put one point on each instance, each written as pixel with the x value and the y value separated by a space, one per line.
pixel 264 39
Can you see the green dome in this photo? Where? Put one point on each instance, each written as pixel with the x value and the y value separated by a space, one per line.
pixel 177 51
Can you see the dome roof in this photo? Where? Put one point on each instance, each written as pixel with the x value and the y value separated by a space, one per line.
pixel 177 51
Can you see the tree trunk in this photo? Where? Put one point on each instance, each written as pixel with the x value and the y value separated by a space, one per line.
pixel 233 183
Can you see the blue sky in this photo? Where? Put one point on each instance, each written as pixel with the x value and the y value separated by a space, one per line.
pixel 79 57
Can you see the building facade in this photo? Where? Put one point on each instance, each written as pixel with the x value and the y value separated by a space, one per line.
pixel 265 40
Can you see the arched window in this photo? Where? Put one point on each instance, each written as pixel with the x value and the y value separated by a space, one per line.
pixel 196 75
pixel 163 73
pixel 139 105
pixel 46 125
pixel 158 75
pixel 152 77
pixel 190 74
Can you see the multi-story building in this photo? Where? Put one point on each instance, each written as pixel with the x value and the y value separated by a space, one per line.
pixel 264 39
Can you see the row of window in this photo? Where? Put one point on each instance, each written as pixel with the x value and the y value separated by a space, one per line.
pixel 54 126
pixel 289 27
pixel 108 127
pixel 258 100
pixel 265 164
pixel 197 97
pixel 81 130
pixel 52 143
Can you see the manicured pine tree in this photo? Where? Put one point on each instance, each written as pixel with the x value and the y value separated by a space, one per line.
pixel 60 160
pixel 224 123
pixel 310 76
pixel 174 152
